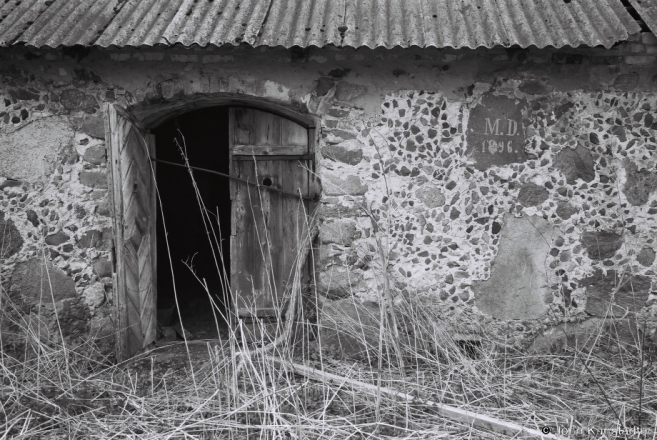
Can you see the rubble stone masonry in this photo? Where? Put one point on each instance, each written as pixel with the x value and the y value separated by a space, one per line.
pixel 512 190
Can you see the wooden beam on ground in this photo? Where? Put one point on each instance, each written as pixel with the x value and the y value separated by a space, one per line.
pixel 463 416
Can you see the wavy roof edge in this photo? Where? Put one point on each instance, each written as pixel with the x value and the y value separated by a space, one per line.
pixel 160 46
pixel 316 23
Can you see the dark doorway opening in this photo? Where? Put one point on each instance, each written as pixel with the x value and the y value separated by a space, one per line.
pixel 205 136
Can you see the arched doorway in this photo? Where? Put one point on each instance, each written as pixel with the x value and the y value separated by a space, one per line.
pixel 254 170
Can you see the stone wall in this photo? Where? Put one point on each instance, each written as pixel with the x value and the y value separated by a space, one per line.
pixel 511 189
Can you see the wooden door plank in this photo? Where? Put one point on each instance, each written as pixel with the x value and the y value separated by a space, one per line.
pixel 293 133
pixel 134 226
pixel 267 128
pixel 266 226
pixel 243 126
pixel 269 150
pixel 147 307
pixel 114 134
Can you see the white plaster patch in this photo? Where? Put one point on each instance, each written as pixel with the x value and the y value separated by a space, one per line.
pixel 276 91
pixel 29 152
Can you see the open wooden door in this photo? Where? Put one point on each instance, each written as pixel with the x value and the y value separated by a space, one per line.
pixel 133 201
pixel 267 227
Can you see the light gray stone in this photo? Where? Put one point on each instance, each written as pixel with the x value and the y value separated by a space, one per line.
pixel 94 295
pixel 338 231
pixel 336 185
pixel 337 282
pixel 532 195
pixel 349 152
pixel 94 179
pixel 518 286
pixel 431 196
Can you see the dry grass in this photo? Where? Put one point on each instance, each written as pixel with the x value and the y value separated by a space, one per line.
pixel 48 392
pixel 231 389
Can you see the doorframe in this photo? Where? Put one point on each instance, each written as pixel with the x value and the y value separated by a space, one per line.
pixel 147 117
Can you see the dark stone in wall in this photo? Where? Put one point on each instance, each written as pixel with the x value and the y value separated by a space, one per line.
pixel 531 194
pixel 32 217
pixel 639 184
pixel 104 208
pixel 93 179
pixel 565 210
pixel 73 316
pixel 57 238
pixel 74 99
pixel 601 244
pixel 496 131
pixel 627 81
pixel 10 183
pixel 24 94
pixel 324 84
pixel 575 164
pixel 10 239
pixel 94 127
pixel 614 294
pixel 103 268
pixel 95 155
pixel 34 281
pixel 534 87
pixel 90 239
pixel 646 257
pixel 561 110
pixel 619 132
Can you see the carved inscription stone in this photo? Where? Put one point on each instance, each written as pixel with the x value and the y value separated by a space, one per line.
pixel 496 132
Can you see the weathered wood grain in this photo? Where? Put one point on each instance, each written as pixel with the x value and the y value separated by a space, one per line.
pixel 134 226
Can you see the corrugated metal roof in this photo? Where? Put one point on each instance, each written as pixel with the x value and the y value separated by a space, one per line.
pixel 647 9
pixel 287 23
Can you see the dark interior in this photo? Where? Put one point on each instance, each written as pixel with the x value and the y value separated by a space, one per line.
pixel 204 134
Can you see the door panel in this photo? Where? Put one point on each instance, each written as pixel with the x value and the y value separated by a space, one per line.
pixel 267 226
pixel 133 202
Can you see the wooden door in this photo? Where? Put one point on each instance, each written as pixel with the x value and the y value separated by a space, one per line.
pixel 267 227
pixel 133 200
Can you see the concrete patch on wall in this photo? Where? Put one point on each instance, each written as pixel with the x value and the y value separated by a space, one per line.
pixel 518 287
pixel 30 152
